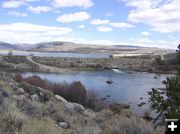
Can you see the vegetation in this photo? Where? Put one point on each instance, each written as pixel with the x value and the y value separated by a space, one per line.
pixel 178 54
pixel 166 101
pixel 73 92
pixel 20 114
pixel 10 53
pixel 133 125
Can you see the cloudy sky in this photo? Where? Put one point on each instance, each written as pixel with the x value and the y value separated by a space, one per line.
pixel 152 23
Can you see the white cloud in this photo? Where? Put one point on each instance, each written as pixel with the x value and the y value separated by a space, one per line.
pixel 17 14
pixel 109 14
pixel 16 3
pixel 122 25
pixel 81 26
pixel 104 29
pixel 99 22
pixel 39 9
pixel 162 15
pixel 145 33
pixel 78 16
pixel 146 42
pixel 89 42
pixel 72 3
pixel 12 4
pixel 31 32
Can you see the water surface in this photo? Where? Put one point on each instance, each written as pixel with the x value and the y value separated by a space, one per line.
pixel 56 54
pixel 127 87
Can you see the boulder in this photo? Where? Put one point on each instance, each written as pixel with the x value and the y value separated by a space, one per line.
pixel 89 113
pixel 100 118
pixel 59 98
pixel 69 107
pixel 117 107
pixel 20 91
pixel 78 107
pixel 35 97
pixel 63 125
pixel 109 81
pixel 127 113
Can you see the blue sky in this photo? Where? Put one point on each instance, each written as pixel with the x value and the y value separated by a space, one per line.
pixel 151 23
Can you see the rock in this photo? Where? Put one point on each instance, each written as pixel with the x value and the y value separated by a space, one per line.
pixel 41 94
pixel 117 107
pixel 69 107
pixel 74 107
pixel 18 97
pixel 35 97
pixel 109 81
pixel 20 91
pixel 100 118
pixel 103 98
pixel 78 107
pixel 63 125
pixel 89 114
pixel 108 96
pixel 59 98
pixel 141 104
pixel 127 113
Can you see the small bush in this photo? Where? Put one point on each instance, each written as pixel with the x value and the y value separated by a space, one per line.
pixel 18 77
pixel 133 125
pixel 94 102
pixel 40 126
pixel 29 107
pixel 37 81
pixel 29 88
pixel 73 92
pixel 11 119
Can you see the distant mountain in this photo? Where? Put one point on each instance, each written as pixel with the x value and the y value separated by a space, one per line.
pixel 4 45
pixel 13 46
pixel 61 46
pixel 130 46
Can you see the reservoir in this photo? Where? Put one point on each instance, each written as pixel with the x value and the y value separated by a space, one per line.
pixel 126 87
pixel 55 54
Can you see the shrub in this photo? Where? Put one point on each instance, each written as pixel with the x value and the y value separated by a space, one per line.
pixel 18 77
pixel 166 101
pixel 94 102
pixel 40 126
pixel 133 125
pixel 11 119
pixel 73 92
pixel 29 88
pixel 37 81
pixel 29 107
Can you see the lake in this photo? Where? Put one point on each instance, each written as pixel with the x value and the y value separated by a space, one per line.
pixel 127 87
pixel 55 54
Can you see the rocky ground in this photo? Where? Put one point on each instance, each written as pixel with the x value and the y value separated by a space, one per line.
pixel 27 109
pixel 137 63
pixel 73 65
pixel 102 63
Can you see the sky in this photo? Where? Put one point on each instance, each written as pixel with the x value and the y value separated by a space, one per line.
pixel 149 23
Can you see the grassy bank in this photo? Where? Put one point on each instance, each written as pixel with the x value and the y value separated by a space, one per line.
pixel 33 109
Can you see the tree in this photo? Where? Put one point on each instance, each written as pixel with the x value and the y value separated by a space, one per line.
pixel 178 54
pixel 10 53
pixel 166 101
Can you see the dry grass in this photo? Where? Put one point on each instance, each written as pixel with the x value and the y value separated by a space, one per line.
pixel 40 126
pixel 132 125
pixel 11 119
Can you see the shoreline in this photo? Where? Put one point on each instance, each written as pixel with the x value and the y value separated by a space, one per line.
pixel 75 65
